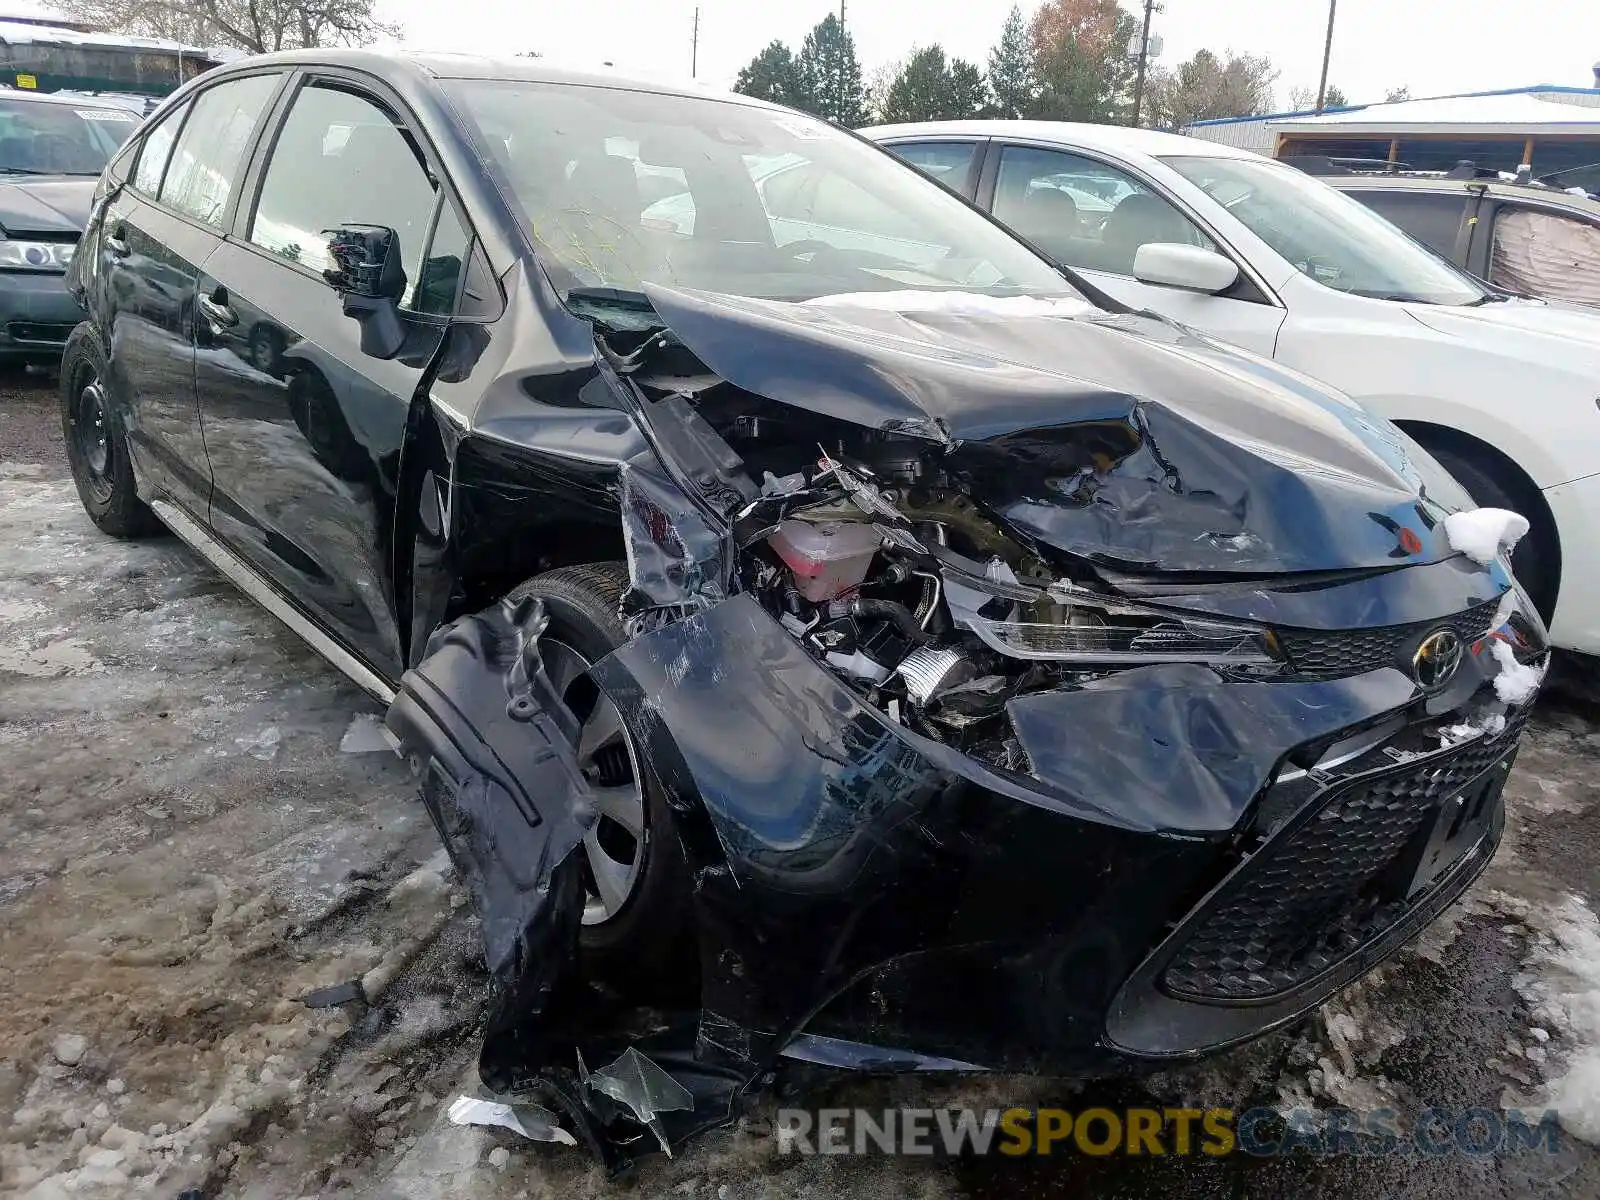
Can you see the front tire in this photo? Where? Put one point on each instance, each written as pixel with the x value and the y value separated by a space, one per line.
pixel 97 445
pixel 636 925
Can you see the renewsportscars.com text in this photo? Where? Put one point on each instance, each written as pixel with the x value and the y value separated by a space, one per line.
pixel 1151 1132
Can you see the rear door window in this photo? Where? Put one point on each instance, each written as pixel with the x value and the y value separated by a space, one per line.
pixel 1546 254
pixel 209 155
pixel 1431 219
pixel 948 162
pixel 155 150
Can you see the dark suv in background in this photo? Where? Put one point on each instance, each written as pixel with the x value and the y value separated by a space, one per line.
pixel 1531 238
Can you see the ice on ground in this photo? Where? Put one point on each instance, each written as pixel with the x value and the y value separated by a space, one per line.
pixel 973 303
pixel 263 745
pixel 1517 682
pixel 1564 991
pixel 365 735
pixel 1482 533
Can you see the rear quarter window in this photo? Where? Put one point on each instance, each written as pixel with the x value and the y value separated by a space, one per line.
pixel 1434 220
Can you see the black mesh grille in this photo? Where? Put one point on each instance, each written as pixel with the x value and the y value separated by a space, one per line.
pixel 1324 654
pixel 1325 889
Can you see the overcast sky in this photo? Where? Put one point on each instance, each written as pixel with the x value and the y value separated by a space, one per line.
pixel 1432 46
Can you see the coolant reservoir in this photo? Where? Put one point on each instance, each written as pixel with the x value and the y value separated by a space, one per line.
pixel 827 558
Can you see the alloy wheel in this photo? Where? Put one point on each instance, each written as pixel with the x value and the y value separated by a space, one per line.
pixel 614 846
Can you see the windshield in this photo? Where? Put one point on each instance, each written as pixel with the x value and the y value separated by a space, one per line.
pixel 39 138
pixel 621 188
pixel 1337 241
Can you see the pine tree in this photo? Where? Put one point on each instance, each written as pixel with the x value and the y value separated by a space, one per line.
pixel 773 75
pixel 1011 69
pixel 830 74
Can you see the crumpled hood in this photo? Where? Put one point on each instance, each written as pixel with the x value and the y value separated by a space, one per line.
pixel 59 205
pixel 1121 439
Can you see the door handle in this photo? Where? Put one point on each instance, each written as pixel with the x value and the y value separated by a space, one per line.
pixel 116 242
pixel 217 311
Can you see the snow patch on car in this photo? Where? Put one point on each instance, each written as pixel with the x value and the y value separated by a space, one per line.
pixel 1517 682
pixel 1482 533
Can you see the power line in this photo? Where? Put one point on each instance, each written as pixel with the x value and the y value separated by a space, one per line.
pixel 694 46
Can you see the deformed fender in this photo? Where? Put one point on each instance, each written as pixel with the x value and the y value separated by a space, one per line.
pixel 494 747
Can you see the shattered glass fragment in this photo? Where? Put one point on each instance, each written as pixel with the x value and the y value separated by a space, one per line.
pixel 644 1088
pixel 533 1122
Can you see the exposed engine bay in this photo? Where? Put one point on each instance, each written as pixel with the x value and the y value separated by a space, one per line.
pixel 868 549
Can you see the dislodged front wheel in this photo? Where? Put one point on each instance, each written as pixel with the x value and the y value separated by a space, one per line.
pixel 637 923
pixel 614 844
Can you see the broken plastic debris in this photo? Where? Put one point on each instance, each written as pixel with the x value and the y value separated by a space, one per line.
pixel 1454 735
pixel 644 1088
pixel 365 735
pixel 782 485
pixel 532 1122
pixel 1482 533
pixel 1517 682
pixel 335 995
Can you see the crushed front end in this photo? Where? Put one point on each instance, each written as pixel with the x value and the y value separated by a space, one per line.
pixel 1052 695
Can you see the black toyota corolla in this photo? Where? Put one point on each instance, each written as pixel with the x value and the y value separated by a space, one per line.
pixel 785 584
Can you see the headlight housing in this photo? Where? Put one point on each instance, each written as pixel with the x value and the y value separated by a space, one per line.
pixel 1065 623
pixel 35 256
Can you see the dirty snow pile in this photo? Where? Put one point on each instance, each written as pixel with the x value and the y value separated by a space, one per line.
pixel 962 303
pixel 1482 533
pixel 1563 991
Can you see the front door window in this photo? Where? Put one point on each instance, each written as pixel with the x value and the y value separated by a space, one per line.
pixel 1084 213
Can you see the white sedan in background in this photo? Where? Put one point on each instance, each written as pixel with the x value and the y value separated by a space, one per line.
pixel 1504 391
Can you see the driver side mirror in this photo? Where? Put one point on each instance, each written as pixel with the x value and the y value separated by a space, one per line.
pixel 1173 264
pixel 368 276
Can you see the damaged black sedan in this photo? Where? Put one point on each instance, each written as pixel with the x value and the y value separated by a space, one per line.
pixel 810 616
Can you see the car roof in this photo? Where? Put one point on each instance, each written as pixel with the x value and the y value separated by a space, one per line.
pixel 70 99
pixel 450 65
pixel 1439 183
pixel 1116 139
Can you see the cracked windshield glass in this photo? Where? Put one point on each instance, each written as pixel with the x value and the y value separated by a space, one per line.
pixel 731 198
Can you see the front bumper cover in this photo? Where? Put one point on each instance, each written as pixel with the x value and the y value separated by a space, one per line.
pixel 871 896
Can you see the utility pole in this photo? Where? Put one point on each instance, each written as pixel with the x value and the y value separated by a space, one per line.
pixel 838 98
pixel 1327 53
pixel 694 46
pixel 1144 54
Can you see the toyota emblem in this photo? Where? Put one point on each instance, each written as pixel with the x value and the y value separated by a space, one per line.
pixel 1437 659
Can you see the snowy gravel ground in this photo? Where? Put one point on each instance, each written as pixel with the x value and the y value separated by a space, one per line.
pixel 185 850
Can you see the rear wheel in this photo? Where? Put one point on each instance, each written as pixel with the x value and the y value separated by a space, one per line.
pixel 636 913
pixel 1536 562
pixel 97 448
